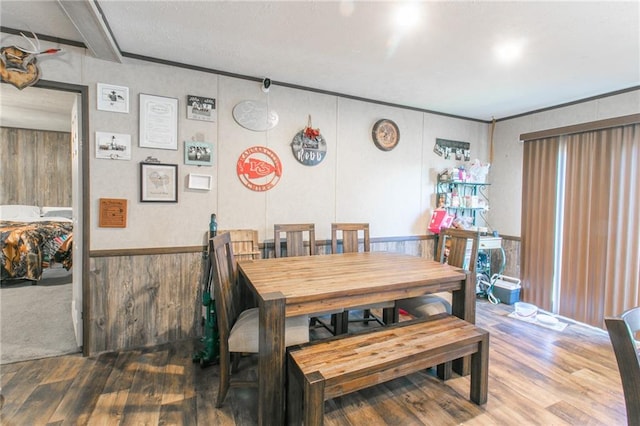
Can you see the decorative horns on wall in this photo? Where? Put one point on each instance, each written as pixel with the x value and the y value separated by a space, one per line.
pixel 19 66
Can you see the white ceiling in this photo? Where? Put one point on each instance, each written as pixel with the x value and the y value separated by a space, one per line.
pixel 571 50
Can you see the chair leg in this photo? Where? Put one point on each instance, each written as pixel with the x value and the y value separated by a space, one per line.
pixel 235 362
pixel 224 377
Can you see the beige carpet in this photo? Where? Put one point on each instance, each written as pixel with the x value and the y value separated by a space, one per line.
pixel 35 320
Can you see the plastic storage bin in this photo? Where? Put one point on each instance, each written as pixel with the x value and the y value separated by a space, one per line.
pixel 507 289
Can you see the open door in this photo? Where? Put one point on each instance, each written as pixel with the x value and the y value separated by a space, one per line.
pixel 76 184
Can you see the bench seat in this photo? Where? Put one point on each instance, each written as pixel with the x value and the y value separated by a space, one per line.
pixel 323 370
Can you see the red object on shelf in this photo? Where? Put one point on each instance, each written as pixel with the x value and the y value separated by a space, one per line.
pixel 439 219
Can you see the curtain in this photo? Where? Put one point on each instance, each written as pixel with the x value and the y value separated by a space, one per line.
pixel 600 253
pixel 540 171
pixel 581 202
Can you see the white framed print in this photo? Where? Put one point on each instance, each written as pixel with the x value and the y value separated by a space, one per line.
pixel 112 98
pixel 113 146
pixel 202 182
pixel 158 122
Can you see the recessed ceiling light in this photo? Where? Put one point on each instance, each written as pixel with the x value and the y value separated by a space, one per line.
pixel 407 16
pixel 509 51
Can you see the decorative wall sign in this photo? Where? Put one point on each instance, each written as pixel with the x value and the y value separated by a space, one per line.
pixel 445 148
pixel 198 153
pixel 112 98
pixel 114 146
pixel 158 122
pixel 158 182
pixel 113 213
pixel 259 168
pixel 385 134
pixel 201 108
pixel 255 115
pixel 308 146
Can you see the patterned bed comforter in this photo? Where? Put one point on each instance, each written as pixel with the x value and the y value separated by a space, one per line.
pixel 29 247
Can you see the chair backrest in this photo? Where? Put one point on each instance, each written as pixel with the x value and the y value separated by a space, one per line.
pixel 226 291
pixel 245 243
pixel 351 234
pixel 624 332
pixel 457 240
pixel 294 234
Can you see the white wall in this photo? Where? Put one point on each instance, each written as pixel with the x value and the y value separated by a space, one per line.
pixel 506 172
pixel 394 190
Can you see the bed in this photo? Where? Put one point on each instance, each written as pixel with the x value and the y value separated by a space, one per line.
pixel 33 239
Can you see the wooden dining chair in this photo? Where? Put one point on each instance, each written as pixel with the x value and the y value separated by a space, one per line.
pixel 237 327
pixel 294 245
pixel 294 239
pixel 624 332
pixel 351 234
pixel 245 243
pixel 453 249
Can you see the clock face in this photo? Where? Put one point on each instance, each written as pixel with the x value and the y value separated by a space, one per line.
pixel 385 134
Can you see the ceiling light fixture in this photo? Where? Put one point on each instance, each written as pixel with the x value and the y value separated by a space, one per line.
pixel 508 52
pixel 407 16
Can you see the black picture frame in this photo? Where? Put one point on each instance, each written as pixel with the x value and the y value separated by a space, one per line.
pixel 158 183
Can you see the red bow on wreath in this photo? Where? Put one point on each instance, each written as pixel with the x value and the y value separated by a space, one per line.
pixel 310 132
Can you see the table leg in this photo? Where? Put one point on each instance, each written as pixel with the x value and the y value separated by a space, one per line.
pixel 464 307
pixel 271 367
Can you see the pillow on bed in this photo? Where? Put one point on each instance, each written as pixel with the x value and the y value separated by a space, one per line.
pixel 66 212
pixel 20 212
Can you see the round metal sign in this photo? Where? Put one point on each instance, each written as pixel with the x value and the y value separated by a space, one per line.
pixel 259 168
pixel 308 151
pixel 255 115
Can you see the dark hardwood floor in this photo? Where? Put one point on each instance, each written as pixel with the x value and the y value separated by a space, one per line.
pixel 537 377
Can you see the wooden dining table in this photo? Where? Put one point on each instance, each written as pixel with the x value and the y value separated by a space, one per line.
pixel 305 285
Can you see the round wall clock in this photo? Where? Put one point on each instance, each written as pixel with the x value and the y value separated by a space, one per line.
pixel 385 134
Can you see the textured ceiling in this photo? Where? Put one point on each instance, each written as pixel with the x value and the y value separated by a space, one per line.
pixel 571 50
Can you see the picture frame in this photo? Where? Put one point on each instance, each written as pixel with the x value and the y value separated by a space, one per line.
pixel 198 153
pixel 201 182
pixel 112 98
pixel 201 108
pixel 113 146
pixel 158 183
pixel 158 122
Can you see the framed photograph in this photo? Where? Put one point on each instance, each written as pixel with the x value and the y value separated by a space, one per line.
pixel 201 108
pixel 200 181
pixel 112 98
pixel 158 182
pixel 198 153
pixel 158 122
pixel 113 146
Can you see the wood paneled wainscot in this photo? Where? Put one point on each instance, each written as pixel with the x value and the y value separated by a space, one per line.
pixel 35 166
pixel 144 297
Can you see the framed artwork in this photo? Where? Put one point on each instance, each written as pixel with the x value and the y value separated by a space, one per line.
pixel 158 122
pixel 201 108
pixel 113 146
pixel 158 182
pixel 198 153
pixel 200 181
pixel 112 98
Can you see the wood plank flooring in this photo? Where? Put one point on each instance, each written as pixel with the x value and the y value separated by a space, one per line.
pixel 536 377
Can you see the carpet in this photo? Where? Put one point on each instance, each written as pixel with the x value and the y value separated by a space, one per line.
pixel 36 319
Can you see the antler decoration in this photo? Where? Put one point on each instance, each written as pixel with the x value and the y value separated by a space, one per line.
pixel 18 65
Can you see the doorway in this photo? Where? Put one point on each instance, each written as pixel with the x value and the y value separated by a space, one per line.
pixel 48 106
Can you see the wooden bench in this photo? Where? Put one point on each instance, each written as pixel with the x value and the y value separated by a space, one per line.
pixel 323 370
